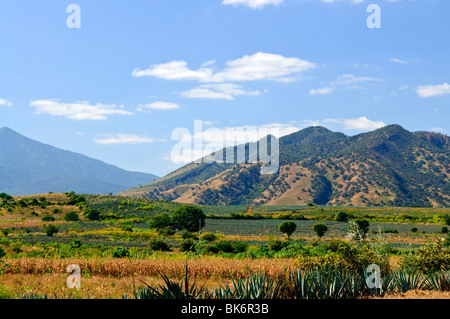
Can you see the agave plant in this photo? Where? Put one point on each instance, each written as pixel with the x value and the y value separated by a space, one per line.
pixel 258 286
pixel 171 289
pixel 438 281
pixel 404 280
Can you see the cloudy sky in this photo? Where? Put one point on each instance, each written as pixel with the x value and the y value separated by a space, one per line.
pixel 117 87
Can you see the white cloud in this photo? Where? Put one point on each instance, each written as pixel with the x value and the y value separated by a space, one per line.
pixel 160 105
pixel 121 138
pixel 360 123
pixel 226 91
pixel 4 102
pixel 395 60
pixel 348 80
pixel 252 4
pixel 345 79
pixel 323 91
pixel 437 129
pixel 433 90
pixel 334 1
pixel 259 66
pixel 81 110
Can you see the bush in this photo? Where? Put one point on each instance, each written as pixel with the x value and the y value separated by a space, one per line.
pixel 187 245
pixel 71 217
pixel 5 293
pixel 444 230
pixel 76 243
pixel 158 244
pixel 447 220
pixel 320 229
pixel 189 217
pixel 188 235
pixel 427 258
pixel 2 253
pixel 334 245
pixel 239 247
pixel 210 237
pixel 390 231
pixel 277 245
pixel 342 217
pixel 6 231
pixel 160 221
pixel 225 246
pixel 287 228
pixel 126 227
pixel 166 231
pixel 50 230
pixel 120 252
pixel 92 214
pixel 48 218
pixel 414 229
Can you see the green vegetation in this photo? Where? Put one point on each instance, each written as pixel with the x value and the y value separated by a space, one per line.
pixel 320 229
pixel 287 228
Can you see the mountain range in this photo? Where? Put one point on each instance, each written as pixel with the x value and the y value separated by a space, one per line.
pixel 388 166
pixel 30 167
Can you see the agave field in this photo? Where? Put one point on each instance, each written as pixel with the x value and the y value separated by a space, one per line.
pixel 240 253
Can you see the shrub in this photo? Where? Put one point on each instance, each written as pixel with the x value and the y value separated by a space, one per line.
pixel 50 230
pixel 189 217
pixel 447 220
pixel 210 237
pixel 342 217
pixel 166 231
pixel 126 227
pixel 239 247
pixel 187 245
pixel 357 229
pixel 76 243
pixel 5 293
pixel 6 231
pixel 92 214
pixel 48 218
pixel 334 245
pixel 320 229
pixel 287 228
pixel 444 230
pixel 2 253
pixel 225 246
pixel 427 258
pixel 160 221
pixel 277 245
pixel 390 231
pixel 188 235
pixel 120 252
pixel 71 217
pixel 414 229
pixel 158 244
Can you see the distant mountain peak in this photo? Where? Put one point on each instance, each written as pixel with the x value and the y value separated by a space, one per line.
pixel 30 167
pixel 387 166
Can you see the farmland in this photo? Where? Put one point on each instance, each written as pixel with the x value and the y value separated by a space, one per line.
pixel 113 242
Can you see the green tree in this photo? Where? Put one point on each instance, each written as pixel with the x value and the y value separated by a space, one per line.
pixel 320 229
pixel 342 217
pixel 50 230
pixel 287 228
pixel 92 214
pixel 357 229
pixel 161 221
pixel 71 217
pixel 189 217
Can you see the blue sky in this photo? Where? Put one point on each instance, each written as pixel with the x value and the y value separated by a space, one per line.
pixel 116 88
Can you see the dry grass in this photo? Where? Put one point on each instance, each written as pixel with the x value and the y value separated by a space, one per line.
pixel 206 268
